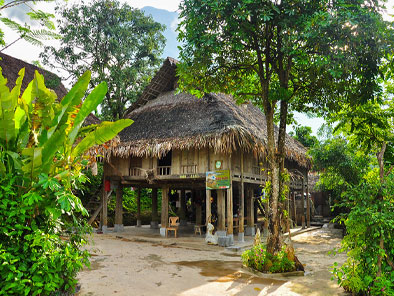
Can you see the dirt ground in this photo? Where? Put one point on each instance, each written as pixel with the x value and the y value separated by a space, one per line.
pixel 130 264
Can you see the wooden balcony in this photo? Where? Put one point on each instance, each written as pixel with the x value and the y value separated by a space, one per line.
pixel 189 169
pixel 164 170
pixel 135 172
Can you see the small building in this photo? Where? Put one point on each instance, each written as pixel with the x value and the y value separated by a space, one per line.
pixel 209 147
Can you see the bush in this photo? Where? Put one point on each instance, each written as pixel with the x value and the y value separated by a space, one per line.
pixel 41 159
pixel 259 259
pixel 369 226
pixel 36 256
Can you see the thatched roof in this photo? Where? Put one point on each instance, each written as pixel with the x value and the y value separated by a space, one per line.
pixel 11 67
pixel 165 120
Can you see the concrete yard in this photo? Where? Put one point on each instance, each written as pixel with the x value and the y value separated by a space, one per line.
pixel 140 262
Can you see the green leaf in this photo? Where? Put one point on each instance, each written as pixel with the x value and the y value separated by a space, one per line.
pixel 89 105
pixel 103 133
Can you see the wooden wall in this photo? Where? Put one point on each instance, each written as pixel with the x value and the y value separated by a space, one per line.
pixel 205 160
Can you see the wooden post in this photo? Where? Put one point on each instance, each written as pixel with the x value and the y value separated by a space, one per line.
pixel 155 218
pixel 308 205
pixel 221 210
pixel 250 212
pixel 197 193
pixel 295 209
pixel 230 210
pixel 105 212
pixel 207 206
pixel 119 208
pixel 303 200
pixel 138 207
pixel 241 202
pixel 182 208
pixel 164 211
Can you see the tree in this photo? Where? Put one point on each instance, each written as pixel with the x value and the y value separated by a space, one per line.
pixel 119 44
pixel 24 31
pixel 304 135
pixel 282 54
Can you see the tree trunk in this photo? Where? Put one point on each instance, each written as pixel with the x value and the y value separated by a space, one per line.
pixel 274 242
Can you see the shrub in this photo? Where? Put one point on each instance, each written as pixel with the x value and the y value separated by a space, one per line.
pixel 369 227
pixel 41 158
pixel 259 259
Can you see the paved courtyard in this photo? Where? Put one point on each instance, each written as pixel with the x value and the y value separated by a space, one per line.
pixel 139 262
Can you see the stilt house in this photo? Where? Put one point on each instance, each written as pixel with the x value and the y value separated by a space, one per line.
pixel 210 148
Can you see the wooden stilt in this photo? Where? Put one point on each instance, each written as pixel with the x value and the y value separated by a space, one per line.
pixel 242 198
pixel 208 206
pixel 230 230
pixel 164 211
pixel 221 210
pixel 119 208
pixel 138 207
pixel 155 218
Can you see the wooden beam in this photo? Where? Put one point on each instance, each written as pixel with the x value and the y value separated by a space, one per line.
pixel 230 210
pixel 155 216
pixel 197 194
pixel 164 208
pixel 250 207
pixel 221 210
pixel 119 205
pixel 207 206
pixel 182 208
pixel 242 197
pixel 138 207
pixel 308 206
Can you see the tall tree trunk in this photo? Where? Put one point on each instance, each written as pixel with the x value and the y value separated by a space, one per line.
pixel 274 242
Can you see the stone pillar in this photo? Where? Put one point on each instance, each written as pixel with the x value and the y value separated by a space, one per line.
pixel 105 212
pixel 197 194
pixel 207 206
pixel 221 231
pixel 182 209
pixel 138 207
pixel 118 227
pixel 155 217
pixel 230 233
pixel 164 211
pixel 250 212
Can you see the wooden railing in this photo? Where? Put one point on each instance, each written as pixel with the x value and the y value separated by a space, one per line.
pixel 164 170
pixel 189 169
pixel 257 170
pixel 135 172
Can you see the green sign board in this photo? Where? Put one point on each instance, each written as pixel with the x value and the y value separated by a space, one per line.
pixel 218 179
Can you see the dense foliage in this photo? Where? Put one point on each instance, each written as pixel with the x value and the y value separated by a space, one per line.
pixel 119 44
pixel 41 149
pixel 304 135
pixel 370 219
pixel 282 55
pixel 259 259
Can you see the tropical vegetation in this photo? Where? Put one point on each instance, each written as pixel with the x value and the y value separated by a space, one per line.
pixel 42 146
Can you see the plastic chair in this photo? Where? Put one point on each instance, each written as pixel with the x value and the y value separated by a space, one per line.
pixel 173 225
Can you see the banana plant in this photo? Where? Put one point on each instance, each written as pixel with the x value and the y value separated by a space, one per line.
pixel 39 134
